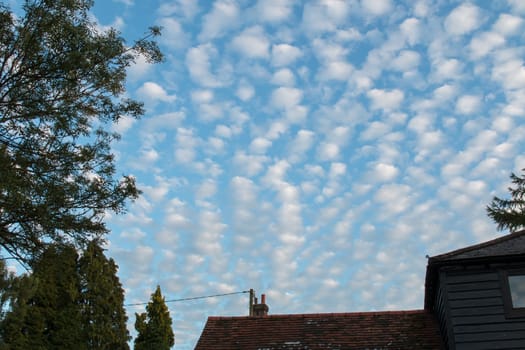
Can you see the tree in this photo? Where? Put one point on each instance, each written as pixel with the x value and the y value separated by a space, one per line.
pixel 61 85
pixel 510 213
pixel 47 315
pixel 67 302
pixel 154 326
pixel 15 293
pixel 103 314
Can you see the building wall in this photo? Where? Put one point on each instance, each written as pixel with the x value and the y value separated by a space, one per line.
pixel 471 310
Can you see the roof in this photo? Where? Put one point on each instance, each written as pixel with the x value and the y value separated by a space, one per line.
pixel 416 329
pixel 507 248
pixel 507 245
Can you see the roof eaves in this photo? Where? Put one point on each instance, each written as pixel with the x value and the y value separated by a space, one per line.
pixel 450 255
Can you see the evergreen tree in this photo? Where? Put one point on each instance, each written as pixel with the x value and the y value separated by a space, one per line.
pixel 103 314
pixel 14 327
pixel 510 213
pixel 61 87
pixel 47 314
pixel 154 326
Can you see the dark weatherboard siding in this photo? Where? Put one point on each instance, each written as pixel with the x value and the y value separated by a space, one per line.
pixel 475 316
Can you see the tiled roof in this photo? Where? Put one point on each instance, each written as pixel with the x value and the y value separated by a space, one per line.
pixel 363 330
pixel 507 245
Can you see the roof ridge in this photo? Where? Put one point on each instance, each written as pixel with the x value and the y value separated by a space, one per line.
pixel 476 246
pixel 325 314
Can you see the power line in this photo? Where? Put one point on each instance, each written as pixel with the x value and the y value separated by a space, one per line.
pixel 193 298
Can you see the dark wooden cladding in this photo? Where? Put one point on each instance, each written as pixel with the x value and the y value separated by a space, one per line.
pixel 470 305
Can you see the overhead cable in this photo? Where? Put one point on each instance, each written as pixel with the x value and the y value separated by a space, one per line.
pixel 192 298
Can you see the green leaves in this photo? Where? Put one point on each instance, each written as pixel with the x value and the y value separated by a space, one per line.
pixel 61 85
pixel 510 213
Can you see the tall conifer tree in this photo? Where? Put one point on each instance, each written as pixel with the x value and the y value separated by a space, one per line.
pixel 154 326
pixel 45 312
pixel 103 314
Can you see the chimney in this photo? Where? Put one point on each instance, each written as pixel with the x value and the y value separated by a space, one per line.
pixel 261 309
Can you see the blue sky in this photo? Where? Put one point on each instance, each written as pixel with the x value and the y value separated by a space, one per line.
pixel 315 151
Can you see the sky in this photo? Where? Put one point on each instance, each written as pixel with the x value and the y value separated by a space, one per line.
pixel 316 151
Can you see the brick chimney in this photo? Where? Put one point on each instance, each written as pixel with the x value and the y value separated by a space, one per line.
pixel 260 310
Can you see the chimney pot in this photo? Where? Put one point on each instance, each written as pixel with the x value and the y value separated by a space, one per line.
pixel 261 309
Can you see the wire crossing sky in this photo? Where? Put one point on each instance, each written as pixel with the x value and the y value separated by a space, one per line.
pixel 192 298
pixel 314 150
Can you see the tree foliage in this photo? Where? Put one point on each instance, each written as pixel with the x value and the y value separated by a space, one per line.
pixel 49 316
pixel 67 302
pixel 510 213
pixel 61 85
pixel 15 293
pixel 103 314
pixel 154 326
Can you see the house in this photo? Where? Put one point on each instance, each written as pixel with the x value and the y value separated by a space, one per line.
pixel 478 294
pixel 474 299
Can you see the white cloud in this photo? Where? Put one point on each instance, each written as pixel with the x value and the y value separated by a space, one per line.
pixel 375 130
pixel 508 24
pixel 186 143
pixel 245 91
pixel 301 144
pixel 276 129
pixel 337 169
pixel 463 19
pixel 184 8
pixel 152 91
pixel 284 77
pixel 328 51
pixel 411 30
pixel 444 92
pixel 510 73
pixel 406 60
pixel 260 145
pixel 216 145
pixel 385 99
pixel 285 54
pixel 324 16
pixel 339 135
pixel 153 125
pixel 351 34
pixel 147 157
pixel 485 42
pixel 252 43
pixel 173 35
pixel 393 199
pixel 468 104
pixel 517 5
pixel 123 124
pixel 328 151
pixel 335 70
pixel 384 172
pixel 206 189
pixel 198 62
pixel 249 165
pixel 447 69
pixel 138 69
pixel 377 7
pixel 273 10
pixel 222 18
pixel 421 8
pixel 202 96
pixel 286 97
